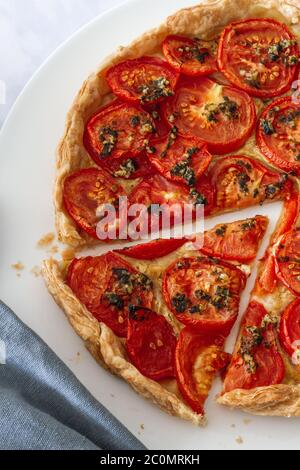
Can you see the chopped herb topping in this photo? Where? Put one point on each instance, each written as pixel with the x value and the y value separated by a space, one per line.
pixel 128 281
pixel 243 180
pixel 246 165
pixel 254 337
pixel 126 169
pixel 198 197
pixel 171 139
pixel 249 225
pixel 195 309
pixel 267 127
pixel 281 50
pixel 109 138
pixel 221 297
pixel 135 121
pixel 115 300
pixel 155 89
pixel 221 231
pixel 183 264
pixel 290 118
pixel 271 190
pixel 185 171
pixel 181 303
pixel 202 295
pixel 228 108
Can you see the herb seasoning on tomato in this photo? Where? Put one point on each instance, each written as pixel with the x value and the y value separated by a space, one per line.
pixel 191 56
pixel 85 191
pixel 146 80
pixel 108 287
pixel 278 134
pixel 204 292
pixel 221 116
pixel 117 137
pixel 257 361
pixel 259 56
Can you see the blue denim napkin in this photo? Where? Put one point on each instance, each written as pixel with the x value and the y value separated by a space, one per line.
pixel 42 404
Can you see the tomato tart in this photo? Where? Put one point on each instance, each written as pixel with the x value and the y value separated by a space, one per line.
pixel 203 111
pixel 158 314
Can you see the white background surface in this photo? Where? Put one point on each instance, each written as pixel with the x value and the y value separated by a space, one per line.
pixel 27 149
pixel 31 29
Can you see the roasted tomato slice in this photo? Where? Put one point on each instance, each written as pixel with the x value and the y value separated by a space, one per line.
pixel 221 116
pixel 154 249
pixel 117 136
pixel 179 159
pixel 236 241
pixel 158 191
pixel 108 286
pixel 287 260
pixel 259 56
pixel 205 193
pixel 151 344
pixel 278 134
pixel 146 80
pixel 257 362
pixel 290 330
pixel 204 293
pixel 267 279
pixel 198 359
pixel 87 190
pixel 241 182
pixel 191 56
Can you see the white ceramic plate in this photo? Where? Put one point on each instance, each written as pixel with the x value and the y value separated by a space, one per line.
pixel 27 149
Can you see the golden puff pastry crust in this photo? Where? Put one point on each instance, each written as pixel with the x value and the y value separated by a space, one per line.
pixel 205 20
pixel 276 400
pixel 109 350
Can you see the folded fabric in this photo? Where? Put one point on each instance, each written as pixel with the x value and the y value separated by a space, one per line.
pixel 42 404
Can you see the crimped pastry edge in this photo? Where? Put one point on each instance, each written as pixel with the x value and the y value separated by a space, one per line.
pixel 108 349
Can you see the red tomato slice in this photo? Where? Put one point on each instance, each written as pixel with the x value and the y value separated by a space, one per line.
pixel 278 134
pixel 191 56
pixel 84 192
pixel 287 260
pixel 108 286
pixel 221 116
pixel 179 159
pixel 198 359
pixel 154 249
pixel 151 344
pixel 259 56
pixel 205 192
pixel 257 362
pixel 204 292
pixel 157 190
pixel 289 334
pixel 241 182
pixel 236 241
pixel 117 136
pixel 267 278
pixel 146 80
pixel 162 128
